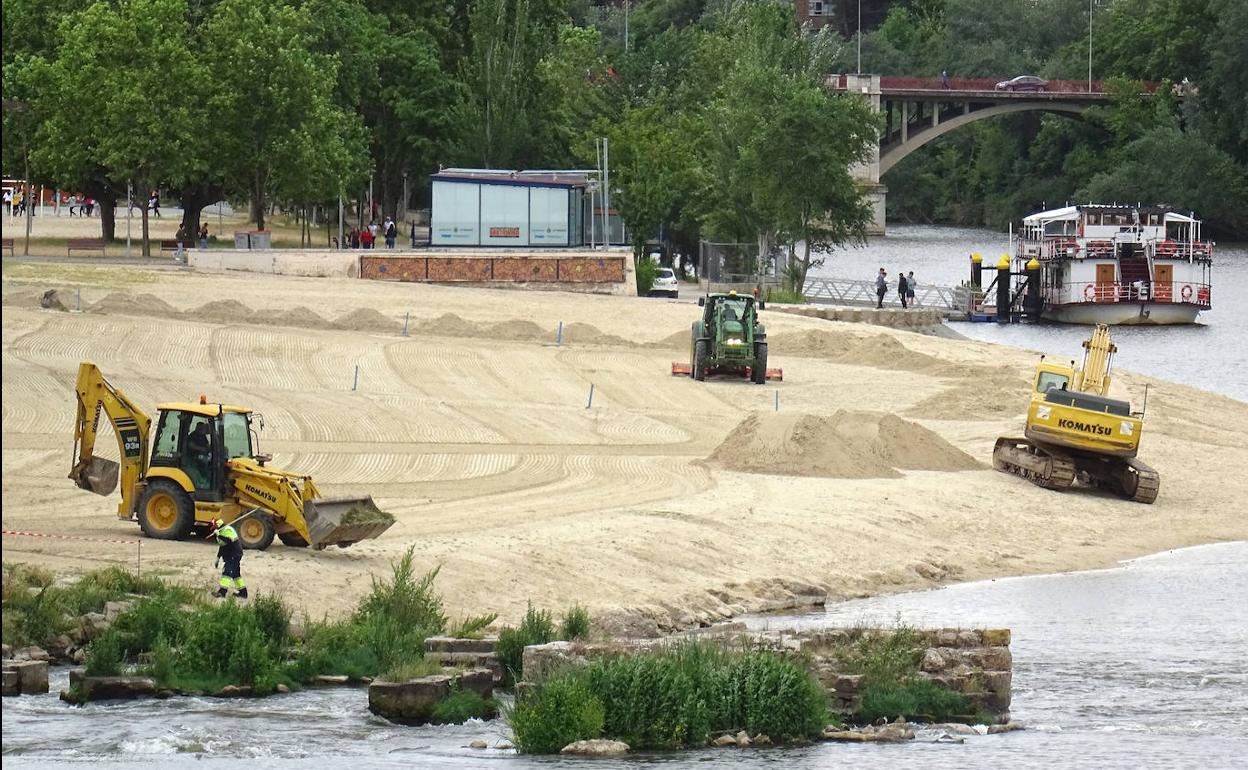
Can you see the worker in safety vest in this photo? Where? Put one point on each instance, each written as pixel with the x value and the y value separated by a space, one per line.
pixel 229 548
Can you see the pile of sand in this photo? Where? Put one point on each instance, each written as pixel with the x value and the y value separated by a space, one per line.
pixel 845 445
pixel 366 319
pixel 880 351
pixel 221 311
pixel 298 316
pixel 118 303
pixel 993 398
pixel 587 334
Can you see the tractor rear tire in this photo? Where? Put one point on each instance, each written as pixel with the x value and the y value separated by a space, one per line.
pixel 166 511
pixel 758 372
pixel 256 532
pixel 699 360
pixel 292 539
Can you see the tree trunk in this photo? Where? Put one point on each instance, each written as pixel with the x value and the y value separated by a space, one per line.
pixel 147 244
pixel 106 200
pixel 257 202
pixel 194 198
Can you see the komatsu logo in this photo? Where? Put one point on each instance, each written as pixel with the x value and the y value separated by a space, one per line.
pixel 260 493
pixel 1086 427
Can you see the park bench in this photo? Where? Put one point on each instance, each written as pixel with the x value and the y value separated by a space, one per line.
pixel 84 244
pixel 172 245
pixel 8 244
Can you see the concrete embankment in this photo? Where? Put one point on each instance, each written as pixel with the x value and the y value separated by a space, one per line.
pixel 922 320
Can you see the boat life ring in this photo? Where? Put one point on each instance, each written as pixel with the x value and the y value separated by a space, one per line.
pixel 1187 292
pixel 1089 293
pixel 1167 248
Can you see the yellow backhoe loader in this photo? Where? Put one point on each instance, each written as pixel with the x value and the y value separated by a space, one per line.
pixel 1075 431
pixel 204 465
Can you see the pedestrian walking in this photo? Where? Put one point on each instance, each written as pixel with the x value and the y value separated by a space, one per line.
pixel 910 285
pixel 8 201
pixel 413 233
pixel 901 289
pixel 153 203
pixel 180 238
pixel 944 78
pixel 391 231
pixel 367 236
pixel 229 550
pixel 881 288
pixel 203 236
pixel 90 206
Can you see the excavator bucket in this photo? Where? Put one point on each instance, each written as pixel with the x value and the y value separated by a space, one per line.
pixel 343 521
pixel 100 476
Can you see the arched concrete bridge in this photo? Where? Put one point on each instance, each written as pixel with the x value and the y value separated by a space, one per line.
pixel 917 111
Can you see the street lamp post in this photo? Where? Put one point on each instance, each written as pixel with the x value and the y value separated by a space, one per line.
pixel 859 37
pixel 1089 46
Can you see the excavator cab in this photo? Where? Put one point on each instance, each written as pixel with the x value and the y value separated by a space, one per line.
pixel 198 440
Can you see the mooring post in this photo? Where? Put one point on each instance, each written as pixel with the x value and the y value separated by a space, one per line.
pixel 406 316
pixel 559 335
pixel 591 396
pixel 356 383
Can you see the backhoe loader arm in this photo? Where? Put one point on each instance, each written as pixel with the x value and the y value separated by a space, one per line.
pixel 280 493
pixel 97 474
pixel 1097 357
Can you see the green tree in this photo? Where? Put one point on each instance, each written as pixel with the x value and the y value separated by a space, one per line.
pixel 108 100
pixel 274 100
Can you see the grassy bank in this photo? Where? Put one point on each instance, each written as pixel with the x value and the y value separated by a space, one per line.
pixel 888 661
pixel 673 698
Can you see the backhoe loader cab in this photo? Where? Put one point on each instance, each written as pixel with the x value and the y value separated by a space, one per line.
pixel 203 464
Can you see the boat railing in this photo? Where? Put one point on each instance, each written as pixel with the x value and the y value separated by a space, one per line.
pixel 1186 292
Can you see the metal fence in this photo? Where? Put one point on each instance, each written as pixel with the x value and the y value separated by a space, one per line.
pixel 846 291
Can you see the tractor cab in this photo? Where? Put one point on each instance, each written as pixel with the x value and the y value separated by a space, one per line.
pixel 199 440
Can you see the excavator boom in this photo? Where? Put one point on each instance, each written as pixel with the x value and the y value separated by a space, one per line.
pixel 95 395
pixel 1098 354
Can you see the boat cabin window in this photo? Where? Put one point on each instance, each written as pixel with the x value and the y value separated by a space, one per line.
pixel 1049 380
pixel 1092 217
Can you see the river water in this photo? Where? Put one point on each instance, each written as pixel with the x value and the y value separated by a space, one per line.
pixel 1142 665
pixel 1211 354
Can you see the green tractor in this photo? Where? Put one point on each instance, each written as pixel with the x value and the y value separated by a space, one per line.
pixel 729 339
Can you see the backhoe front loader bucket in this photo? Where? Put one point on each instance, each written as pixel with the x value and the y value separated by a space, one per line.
pixel 342 521
pixel 100 476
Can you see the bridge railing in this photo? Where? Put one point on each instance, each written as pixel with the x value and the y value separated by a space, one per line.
pixel 905 83
pixel 847 291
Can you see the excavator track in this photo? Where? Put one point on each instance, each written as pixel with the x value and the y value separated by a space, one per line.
pixel 1140 483
pixel 1042 467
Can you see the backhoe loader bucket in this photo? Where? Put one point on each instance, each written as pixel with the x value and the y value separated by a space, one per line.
pixel 100 476
pixel 342 521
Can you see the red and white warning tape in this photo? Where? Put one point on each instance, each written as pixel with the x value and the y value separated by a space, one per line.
pixel 68 537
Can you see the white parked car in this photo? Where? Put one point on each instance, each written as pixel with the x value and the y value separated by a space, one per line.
pixel 665 283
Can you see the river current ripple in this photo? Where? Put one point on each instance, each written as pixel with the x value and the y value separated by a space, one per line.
pixel 1141 666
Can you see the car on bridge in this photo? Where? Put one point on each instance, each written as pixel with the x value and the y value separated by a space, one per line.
pixel 1023 83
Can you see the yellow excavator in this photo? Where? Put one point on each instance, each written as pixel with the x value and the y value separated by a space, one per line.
pixel 1075 431
pixel 204 465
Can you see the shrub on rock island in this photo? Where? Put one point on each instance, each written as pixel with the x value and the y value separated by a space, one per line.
pixel 678 697
pixel 562 711
pixel 538 627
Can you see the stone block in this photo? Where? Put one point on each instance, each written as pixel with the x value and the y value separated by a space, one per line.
pixel 32 675
pixel 12 683
pixel 968 639
pixel 114 610
pixel 7 651
pixel 542 660
pixel 998 681
pixel 847 684
pixel 598 747
pixel 450 644
pixel 932 661
pixel 410 702
pixel 117 687
pixel 332 679
pixel 32 653
pixel 994 659
pixel 995 637
pixel 479 681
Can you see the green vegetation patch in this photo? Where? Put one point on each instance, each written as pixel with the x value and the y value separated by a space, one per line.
pixel 462 706
pixel 673 698
pixel 538 627
pixel 367 513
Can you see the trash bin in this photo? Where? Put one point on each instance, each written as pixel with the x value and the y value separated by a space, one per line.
pixel 261 239
pixel 241 241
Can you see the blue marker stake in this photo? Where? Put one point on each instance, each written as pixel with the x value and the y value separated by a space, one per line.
pixel 406 316
pixel 777 400
pixel 591 396
pixel 356 384
pixel 559 335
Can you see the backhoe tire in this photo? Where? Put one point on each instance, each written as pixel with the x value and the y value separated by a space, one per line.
pixel 166 511
pixel 699 360
pixel 256 531
pixel 758 372
pixel 292 539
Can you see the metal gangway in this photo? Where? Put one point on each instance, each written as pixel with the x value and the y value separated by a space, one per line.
pixel 854 293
